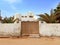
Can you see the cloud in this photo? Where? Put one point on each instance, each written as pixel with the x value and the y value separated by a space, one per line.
pixel 5 13
pixel 12 1
pixel 13 7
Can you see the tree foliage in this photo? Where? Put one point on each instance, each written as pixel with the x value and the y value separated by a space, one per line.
pixel 8 20
pixel 53 17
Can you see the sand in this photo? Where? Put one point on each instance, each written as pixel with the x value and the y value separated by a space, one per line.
pixel 30 41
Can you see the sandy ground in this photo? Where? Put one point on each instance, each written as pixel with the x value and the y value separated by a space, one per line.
pixel 30 41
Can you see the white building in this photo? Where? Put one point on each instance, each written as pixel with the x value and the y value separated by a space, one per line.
pixel 27 17
pixel 17 15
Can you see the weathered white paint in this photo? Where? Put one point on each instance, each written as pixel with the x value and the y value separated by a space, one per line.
pixel 49 29
pixel 11 29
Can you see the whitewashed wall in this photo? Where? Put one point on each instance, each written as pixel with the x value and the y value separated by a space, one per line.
pixel 49 29
pixel 13 29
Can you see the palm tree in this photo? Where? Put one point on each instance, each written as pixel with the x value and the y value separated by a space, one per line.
pixel 57 12
pixel 8 20
pixel 0 18
pixel 16 20
pixel 4 20
pixel 48 18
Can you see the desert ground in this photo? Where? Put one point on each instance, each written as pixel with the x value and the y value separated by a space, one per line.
pixel 30 41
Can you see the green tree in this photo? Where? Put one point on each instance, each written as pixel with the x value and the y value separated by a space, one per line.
pixel 8 20
pixel 57 12
pixel 48 18
pixel 0 18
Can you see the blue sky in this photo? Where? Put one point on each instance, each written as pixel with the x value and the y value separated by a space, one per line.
pixel 10 7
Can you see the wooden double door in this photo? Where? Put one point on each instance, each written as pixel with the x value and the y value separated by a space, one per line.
pixel 29 28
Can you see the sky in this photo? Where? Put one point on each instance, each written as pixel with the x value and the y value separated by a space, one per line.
pixel 11 7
